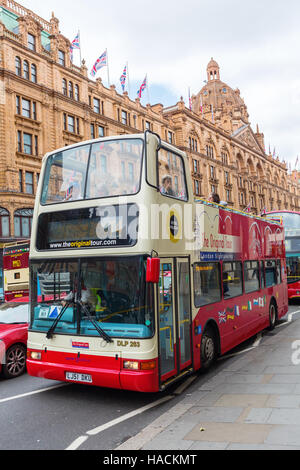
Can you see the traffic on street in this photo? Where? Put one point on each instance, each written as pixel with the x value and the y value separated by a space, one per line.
pixel 50 415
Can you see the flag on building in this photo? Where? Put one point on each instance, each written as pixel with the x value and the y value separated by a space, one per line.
pixel 297 159
pixel 190 100
pixel 248 208
pixel 101 62
pixel 75 45
pixel 123 78
pixel 142 88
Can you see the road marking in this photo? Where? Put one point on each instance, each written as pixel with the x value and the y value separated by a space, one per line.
pixel 93 432
pixel 77 443
pixel 23 395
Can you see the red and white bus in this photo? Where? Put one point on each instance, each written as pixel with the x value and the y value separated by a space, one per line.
pixel 134 283
pixel 16 271
pixel 291 222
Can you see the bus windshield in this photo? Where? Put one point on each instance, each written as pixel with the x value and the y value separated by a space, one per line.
pixel 113 291
pixel 290 221
pixel 97 170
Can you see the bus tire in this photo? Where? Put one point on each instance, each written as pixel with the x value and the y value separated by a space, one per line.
pixel 15 364
pixel 272 315
pixel 208 349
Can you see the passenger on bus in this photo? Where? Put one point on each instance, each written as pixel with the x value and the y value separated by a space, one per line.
pixel 166 188
pixel 214 197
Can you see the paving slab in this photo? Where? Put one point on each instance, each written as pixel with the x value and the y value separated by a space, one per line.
pixel 230 432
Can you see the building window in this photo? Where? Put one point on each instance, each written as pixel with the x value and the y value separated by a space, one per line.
pixel 26 108
pixel 31 42
pixel 124 118
pixel 197 188
pixel 23 223
pixel 19 141
pixel 195 166
pixel 227 180
pixel 26 69
pixel 71 93
pixel 210 151
pixel 18 66
pixel 4 223
pixel 21 181
pixel 28 182
pixel 64 87
pixel 100 131
pixel 76 92
pixel 27 143
pixel 33 73
pixel 92 131
pixel 170 137
pixel 34 110
pixel 212 172
pixel 71 124
pixel 96 105
pixel 36 145
pixel 18 109
pixel 62 58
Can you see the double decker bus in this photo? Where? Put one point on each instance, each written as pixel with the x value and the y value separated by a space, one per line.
pixel 134 283
pixel 291 222
pixel 16 271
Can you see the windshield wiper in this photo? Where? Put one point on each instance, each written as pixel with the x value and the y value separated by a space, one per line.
pixel 57 319
pixel 101 332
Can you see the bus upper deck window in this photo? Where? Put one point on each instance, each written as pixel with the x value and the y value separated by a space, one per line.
pixel 171 173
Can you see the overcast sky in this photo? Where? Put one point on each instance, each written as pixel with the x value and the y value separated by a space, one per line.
pixel 256 45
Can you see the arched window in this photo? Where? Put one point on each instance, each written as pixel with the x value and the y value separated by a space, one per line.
pixel 4 223
pixel 23 222
pixel 33 73
pixel 18 65
pixel 26 70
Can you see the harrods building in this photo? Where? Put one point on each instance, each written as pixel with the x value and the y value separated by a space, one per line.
pixel 46 102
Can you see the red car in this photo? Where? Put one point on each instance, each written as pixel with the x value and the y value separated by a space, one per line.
pixel 14 321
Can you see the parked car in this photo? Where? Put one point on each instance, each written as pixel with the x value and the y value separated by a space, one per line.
pixel 14 321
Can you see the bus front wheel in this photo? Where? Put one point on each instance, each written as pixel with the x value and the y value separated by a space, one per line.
pixel 208 349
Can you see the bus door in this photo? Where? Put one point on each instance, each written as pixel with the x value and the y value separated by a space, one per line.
pixel 174 317
pixel 184 312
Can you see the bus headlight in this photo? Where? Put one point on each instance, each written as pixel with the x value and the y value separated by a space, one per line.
pixel 131 365
pixel 35 355
pixel 136 365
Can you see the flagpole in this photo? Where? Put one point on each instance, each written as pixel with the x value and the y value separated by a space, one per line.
pixel 147 88
pixel 128 79
pixel 80 46
pixel 107 69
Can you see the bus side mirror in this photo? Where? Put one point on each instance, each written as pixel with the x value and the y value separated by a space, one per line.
pixel 153 270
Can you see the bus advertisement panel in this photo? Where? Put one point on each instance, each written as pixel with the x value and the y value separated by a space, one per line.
pixel 147 284
pixel 291 223
pixel 16 271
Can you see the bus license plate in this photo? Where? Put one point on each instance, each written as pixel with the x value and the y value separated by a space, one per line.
pixel 76 377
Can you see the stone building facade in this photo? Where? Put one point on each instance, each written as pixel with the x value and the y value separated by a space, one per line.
pixel 46 102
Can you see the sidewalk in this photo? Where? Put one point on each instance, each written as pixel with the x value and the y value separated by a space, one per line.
pixel 250 401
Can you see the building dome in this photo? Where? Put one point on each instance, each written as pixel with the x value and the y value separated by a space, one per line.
pixel 219 99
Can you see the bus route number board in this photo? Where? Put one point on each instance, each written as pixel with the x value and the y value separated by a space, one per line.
pixel 76 377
